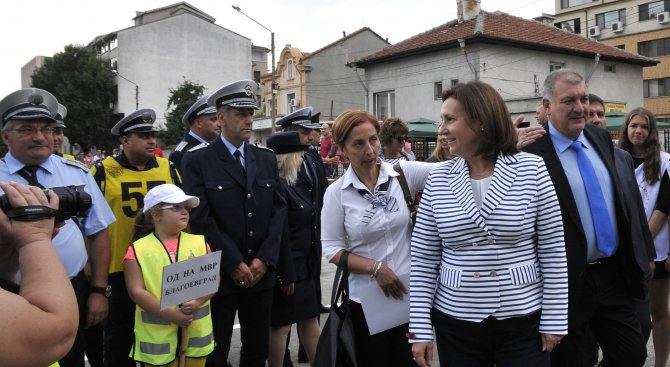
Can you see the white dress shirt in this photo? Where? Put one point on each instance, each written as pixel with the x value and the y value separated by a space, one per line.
pixel 386 237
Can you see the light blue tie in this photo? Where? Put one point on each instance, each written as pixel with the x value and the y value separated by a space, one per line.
pixel 602 224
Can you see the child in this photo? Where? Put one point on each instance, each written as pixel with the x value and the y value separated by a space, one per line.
pixel 161 242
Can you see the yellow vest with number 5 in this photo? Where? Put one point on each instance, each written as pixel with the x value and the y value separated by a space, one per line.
pixel 156 339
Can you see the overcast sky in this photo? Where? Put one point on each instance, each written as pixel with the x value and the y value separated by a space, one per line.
pixel 43 27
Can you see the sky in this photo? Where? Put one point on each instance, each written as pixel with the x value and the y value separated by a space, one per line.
pixel 43 27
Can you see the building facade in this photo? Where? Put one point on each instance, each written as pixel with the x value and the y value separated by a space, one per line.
pixel 638 26
pixel 166 46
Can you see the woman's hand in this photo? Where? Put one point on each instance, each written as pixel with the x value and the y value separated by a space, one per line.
pixel 423 353
pixel 550 341
pixel 288 289
pixel 390 283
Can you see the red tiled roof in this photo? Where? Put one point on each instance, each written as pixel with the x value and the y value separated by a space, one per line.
pixel 344 39
pixel 502 28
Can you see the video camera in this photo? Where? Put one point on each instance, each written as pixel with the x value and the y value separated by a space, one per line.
pixel 73 202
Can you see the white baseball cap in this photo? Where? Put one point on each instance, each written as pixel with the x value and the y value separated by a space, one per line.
pixel 168 193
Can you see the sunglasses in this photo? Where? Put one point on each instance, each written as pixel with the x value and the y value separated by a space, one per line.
pixel 402 138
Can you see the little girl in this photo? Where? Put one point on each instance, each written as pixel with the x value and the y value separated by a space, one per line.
pixel 159 241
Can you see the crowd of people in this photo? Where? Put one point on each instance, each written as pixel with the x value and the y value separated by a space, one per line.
pixel 532 246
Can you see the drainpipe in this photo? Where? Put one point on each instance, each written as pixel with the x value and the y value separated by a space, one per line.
pixel 474 70
pixel 593 69
pixel 367 92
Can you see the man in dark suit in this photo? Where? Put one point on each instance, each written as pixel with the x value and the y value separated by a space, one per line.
pixel 241 214
pixel 203 127
pixel 604 273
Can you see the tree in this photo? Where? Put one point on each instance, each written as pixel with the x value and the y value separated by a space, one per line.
pixel 181 99
pixel 83 83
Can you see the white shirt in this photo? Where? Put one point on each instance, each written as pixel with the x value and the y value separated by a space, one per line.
pixel 386 237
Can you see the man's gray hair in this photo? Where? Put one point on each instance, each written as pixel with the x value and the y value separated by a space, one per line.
pixel 225 110
pixel 565 75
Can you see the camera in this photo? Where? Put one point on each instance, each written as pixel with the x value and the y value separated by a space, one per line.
pixel 73 202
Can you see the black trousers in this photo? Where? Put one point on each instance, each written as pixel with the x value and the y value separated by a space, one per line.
pixel 82 289
pixel 253 308
pixel 513 342
pixel 389 348
pixel 119 335
pixel 605 305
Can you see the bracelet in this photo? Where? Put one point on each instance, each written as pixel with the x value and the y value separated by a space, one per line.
pixel 377 267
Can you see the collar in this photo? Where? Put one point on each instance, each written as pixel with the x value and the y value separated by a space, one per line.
pixel 562 142
pixel 13 164
pixel 385 172
pixel 231 148
pixel 125 163
pixel 196 137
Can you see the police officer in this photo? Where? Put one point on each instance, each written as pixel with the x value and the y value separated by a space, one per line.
pixel 124 180
pixel 58 133
pixel 203 128
pixel 27 117
pixel 242 214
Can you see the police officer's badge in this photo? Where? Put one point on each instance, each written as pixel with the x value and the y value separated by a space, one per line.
pixel 248 90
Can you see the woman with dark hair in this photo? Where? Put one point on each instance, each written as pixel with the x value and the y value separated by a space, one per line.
pixel 441 152
pixel 393 135
pixel 639 137
pixel 487 255
pixel 365 212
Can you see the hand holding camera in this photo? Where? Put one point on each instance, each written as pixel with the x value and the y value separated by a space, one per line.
pixel 22 232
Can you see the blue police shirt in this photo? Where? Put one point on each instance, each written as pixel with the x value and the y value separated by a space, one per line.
pixel 232 149
pixel 54 172
pixel 568 159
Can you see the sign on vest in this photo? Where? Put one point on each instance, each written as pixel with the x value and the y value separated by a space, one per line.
pixel 190 279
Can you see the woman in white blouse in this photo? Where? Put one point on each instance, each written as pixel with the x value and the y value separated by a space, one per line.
pixel 365 212
pixel 487 254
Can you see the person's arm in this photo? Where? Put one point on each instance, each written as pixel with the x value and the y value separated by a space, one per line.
pixel 98 305
pixel 40 323
pixel 416 174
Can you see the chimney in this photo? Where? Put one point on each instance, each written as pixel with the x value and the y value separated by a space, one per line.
pixel 468 9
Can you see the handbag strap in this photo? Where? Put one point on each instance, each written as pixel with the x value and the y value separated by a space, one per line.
pixel 409 200
pixel 341 280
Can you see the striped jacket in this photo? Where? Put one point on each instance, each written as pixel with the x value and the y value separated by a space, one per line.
pixel 504 260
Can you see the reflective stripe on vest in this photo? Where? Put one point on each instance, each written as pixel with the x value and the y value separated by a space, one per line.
pixel 156 339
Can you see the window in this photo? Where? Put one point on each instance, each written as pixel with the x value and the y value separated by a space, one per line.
pixel 384 104
pixel 554 65
pixel 623 47
pixel 114 63
pixel 656 87
pixel 571 3
pixel 605 20
pixel 437 91
pixel 290 68
pixel 650 10
pixel 291 103
pixel 572 25
pixel 454 82
pixel 257 76
pixel 654 48
pixel 610 68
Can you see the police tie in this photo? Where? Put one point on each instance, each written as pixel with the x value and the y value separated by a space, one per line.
pixel 602 223
pixel 238 159
pixel 30 174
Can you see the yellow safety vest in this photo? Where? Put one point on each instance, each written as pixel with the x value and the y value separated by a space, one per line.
pixel 124 190
pixel 156 339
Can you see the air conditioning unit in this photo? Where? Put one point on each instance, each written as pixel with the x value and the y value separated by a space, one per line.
pixel 663 18
pixel 617 27
pixel 295 103
pixel 594 31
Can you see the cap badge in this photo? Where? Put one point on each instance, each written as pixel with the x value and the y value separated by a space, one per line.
pixel 146 117
pixel 248 90
pixel 35 100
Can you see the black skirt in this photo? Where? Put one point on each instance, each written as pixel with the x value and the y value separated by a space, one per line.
pixel 299 306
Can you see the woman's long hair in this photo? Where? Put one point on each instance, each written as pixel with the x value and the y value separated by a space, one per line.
pixel 144 224
pixel 651 148
pixel 288 165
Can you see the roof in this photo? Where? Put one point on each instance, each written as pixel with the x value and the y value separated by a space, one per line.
pixel 344 39
pixel 504 29
pixel 174 8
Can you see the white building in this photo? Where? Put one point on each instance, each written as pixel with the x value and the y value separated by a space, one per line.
pixel 512 54
pixel 166 46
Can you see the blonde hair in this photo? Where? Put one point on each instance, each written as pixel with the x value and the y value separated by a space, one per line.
pixel 288 165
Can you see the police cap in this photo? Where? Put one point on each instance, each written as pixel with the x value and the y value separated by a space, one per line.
pixel 141 121
pixel 199 108
pixel 28 104
pixel 301 117
pixel 241 94
pixel 59 117
pixel 285 142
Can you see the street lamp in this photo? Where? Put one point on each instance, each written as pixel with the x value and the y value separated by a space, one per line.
pixel 137 88
pixel 272 48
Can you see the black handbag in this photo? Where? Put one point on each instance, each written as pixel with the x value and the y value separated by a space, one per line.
pixel 337 344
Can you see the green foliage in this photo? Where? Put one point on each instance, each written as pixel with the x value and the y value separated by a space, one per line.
pixel 181 99
pixel 82 83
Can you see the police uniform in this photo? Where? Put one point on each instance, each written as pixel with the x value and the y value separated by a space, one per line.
pixel 191 139
pixel 242 214
pixel 124 187
pixel 30 104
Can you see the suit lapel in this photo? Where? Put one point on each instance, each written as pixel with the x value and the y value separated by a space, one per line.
pixel 229 163
pixel 459 181
pixel 504 174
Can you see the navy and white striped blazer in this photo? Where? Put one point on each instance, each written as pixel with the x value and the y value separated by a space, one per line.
pixel 504 260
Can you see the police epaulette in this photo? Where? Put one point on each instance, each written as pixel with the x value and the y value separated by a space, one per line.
pixel 198 147
pixel 180 146
pixel 75 163
pixel 262 147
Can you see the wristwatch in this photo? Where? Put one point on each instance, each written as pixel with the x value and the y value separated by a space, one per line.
pixel 105 291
